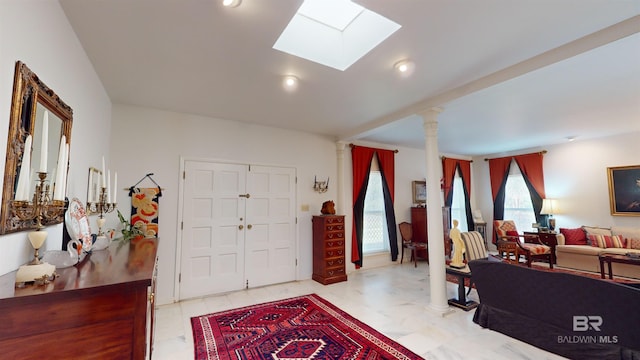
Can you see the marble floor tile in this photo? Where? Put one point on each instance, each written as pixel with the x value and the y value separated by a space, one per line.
pixel 393 300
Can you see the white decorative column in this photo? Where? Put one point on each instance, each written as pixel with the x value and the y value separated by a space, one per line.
pixel 435 232
pixel 340 206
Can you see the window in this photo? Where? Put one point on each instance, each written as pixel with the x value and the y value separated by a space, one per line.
pixel 375 235
pixel 517 201
pixel 458 204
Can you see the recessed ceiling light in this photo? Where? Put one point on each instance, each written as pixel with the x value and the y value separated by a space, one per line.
pixel 405 67
pixel 231 3
pixel 290 82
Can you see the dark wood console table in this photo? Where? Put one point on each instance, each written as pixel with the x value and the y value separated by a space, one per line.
pixel 101 308
pixel 461 302
pixel 615 258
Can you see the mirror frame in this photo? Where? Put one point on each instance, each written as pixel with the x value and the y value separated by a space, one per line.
pixel 28 92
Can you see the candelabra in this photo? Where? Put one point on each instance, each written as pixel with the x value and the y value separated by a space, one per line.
pixel 40 208
pixel 102 206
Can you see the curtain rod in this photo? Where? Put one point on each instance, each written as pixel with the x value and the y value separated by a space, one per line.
pixel 539 152
pixel 352 145
pixel 444 157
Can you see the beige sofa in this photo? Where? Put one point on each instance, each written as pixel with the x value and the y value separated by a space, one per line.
pixel 585 257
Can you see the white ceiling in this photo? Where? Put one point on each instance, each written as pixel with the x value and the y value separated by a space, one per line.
pixel 490 64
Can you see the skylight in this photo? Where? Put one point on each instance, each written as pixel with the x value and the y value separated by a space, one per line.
pixel 334 33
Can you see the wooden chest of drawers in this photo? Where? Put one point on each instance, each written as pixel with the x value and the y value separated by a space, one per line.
pixel 329 249
pixel 101 308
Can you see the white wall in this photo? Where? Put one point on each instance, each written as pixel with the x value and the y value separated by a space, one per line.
pixel 575 174
pixel 153 141
pixel 38 34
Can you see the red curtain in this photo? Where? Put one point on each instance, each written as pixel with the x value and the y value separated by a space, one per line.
pixel 448 173
pixel 386 160
pixel 449 167
pixel 531 168
pixel 498 169
pixel 361 161
pixel 361 158
pixel 498 172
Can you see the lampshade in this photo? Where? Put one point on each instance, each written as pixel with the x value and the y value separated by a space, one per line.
pixel 549 207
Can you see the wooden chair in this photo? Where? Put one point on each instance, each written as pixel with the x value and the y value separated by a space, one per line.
pixel 406 233
pixel 528 245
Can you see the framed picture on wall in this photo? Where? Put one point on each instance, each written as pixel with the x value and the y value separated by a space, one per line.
pixel 624 190
pixel 419 190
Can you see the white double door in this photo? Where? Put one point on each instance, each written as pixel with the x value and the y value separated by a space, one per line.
pixel 238 227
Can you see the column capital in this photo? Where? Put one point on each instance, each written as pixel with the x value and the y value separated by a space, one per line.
pixel 340 145
pixel 430 115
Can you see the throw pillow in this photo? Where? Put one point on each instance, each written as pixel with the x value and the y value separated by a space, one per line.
pixel 591 230
pixel 574 236
pixel 512 233
pixel 633 243
pixel 606 241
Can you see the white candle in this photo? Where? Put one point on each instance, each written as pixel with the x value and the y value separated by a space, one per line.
pixel 108 186
pixel 22 192
pixel 58 192
pixel 104 182
pixel 64 172
pixel 45 142
pixel 27 189
pixel 115 186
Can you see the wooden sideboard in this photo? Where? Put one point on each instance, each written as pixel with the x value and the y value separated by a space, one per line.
pixel 328 249
pixel 419 227
pixel 101 308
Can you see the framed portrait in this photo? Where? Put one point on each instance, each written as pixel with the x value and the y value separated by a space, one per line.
pixel 624 190
pixel 93 187
pixel 419 190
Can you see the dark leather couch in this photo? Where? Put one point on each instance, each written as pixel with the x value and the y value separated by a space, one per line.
pixel 570 315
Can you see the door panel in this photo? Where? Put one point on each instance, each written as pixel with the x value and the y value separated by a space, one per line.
pixel 270 243
pixel 212 241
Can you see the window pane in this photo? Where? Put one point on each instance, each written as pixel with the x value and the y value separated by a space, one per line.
pixel 375 235
pixel 458 211
pixel 517 203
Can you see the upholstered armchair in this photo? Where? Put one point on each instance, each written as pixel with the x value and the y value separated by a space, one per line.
pixel 513 245
pixel 474 246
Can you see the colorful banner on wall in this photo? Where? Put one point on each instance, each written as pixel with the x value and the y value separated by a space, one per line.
pixel 144 209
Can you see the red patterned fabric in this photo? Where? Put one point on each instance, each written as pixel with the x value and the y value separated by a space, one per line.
pixel 537 249
pixel 512 233
pixel 502 226
pixel 606 241
pixel 574 236
pixel 633 243
pixel 305 327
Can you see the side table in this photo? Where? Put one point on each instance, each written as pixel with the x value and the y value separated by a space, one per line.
pixel 461 302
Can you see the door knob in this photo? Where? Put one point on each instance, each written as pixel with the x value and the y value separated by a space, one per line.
pixel 240 227
pixel 249 226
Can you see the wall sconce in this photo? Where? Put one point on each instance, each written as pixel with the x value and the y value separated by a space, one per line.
pixel 320 186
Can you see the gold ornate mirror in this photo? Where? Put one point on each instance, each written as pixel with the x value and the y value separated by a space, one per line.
pixel 31 100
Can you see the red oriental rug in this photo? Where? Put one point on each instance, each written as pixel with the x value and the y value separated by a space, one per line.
pixel 304 327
